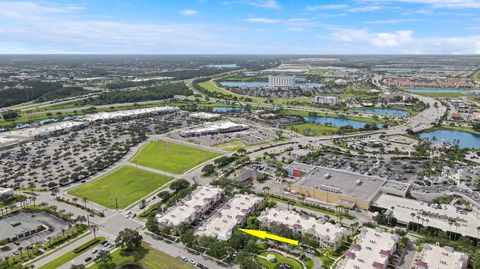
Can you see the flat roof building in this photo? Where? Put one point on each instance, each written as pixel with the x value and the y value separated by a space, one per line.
pixel 221 224
pixel 371 250
pixel 133 113
pixel 327 100
pixel 339 187
pixel 437 257
pixel 44 131
pixel 12 229
pixel 192 206
pixel 327 234
pixel 281 81
pixel 5 193
pixel 204 116
pixel 430 214
pixel 214 128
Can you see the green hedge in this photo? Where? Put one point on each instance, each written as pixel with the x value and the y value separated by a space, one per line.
pixel 88 244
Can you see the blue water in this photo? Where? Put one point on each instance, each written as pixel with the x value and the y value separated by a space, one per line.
pixel 433 90
pixel 337 122
pixel 228 109
pixel 222 65
pixel 381 111
pixel 465 140
pixel 258 84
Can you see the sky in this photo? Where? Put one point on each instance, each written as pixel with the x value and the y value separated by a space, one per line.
pixel 240 27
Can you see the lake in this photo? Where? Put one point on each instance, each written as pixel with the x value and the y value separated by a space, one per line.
pixel 228 109
pixel 382 111
pixel 337 122
pixel 435 90
pixel 465 139
pixel 258 84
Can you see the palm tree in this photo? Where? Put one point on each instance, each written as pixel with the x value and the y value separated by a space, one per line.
pixel 456 230
pixel 266 190
pixel 84 199
pixel 33 200
pixel 413 216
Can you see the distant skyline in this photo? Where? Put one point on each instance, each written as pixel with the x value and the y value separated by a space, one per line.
pixel 240 27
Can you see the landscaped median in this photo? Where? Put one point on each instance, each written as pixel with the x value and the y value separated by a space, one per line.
pixel 279 259
pixel 73 254
pixel 121 187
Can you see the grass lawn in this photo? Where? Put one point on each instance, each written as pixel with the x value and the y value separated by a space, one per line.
pixel 440 94
pixel 280 259
pixel 127 184
pixel 146 255
pixel 67 257
pixel 230 146
pixel 172 157
pixel 312 129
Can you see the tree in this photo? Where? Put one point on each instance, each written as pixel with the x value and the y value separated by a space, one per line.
pixel 9 115
pixel 208 169
pixel 103 257
pixel 179 184
pixel 129 238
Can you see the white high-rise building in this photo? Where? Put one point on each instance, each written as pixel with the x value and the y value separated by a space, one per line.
pixel 281 81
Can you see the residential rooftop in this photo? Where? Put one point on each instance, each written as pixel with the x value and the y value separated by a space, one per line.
pixel 189 208
pixel 371 250
pixel 221 224
pixel 435 256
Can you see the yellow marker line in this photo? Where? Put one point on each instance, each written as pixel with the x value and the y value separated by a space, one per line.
pixel 265 235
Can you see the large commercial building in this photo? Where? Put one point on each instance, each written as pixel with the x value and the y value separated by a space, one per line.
pixel 327 234
pixel 437 257
pixel 371 250
pixel 430 214
pixel 327 100
pixel 130 114
pixel 191 207
pixel 12 229
pixel 5 193
pixel 281 81
pixel 214 128
pixel 341 187
pixel 221 224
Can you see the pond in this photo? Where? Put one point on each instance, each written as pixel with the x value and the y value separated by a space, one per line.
pixel 464 139
pixel 384 111
pixel 434 90
pixel 258 84
pixel 337 122
pixel 228 109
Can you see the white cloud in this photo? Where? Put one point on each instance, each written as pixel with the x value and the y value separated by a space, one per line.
pixel 295 29
pixel 326 7
pixel 263 20
pixel 269 4
pixel 376 39
pixel 391 21
pixel 440 3
pixel 363 9
pixel 27 9
pixel 188 12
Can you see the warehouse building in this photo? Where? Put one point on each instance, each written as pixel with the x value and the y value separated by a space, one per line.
pixel 328 235
pixel 44 131
pixel 12 229
pixel 221 224
pixel 333 186
pixel 435 256
pixel 372 249
pixel 129 114
pixel 191 207
pixel 214 128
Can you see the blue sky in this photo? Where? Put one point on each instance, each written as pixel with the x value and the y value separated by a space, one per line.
pixel 241 26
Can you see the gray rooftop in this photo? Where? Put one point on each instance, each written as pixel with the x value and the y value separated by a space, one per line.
pixel 12 226
pixel 343 182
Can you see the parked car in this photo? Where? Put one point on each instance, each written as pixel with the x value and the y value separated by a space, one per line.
pixel 88 259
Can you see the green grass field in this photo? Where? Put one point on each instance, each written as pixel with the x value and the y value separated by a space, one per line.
pixel 146 255
pixel 127 184
pixel 231 146
pixel 67 257
pixel 172 157
pixel 280 259
pixel 312 129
